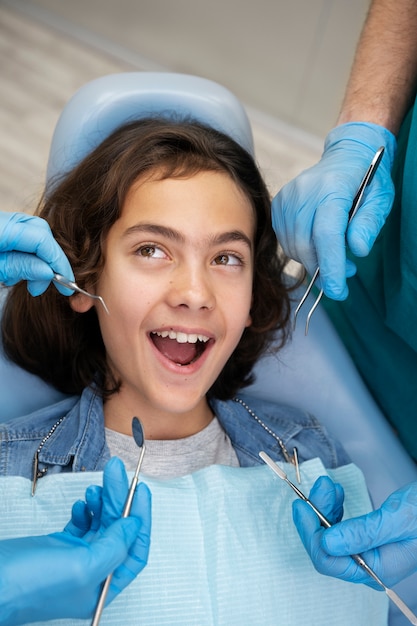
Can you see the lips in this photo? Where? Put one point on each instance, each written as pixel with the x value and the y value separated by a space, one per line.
pixel 180 348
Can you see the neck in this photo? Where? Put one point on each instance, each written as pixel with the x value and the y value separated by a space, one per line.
pixel 157 424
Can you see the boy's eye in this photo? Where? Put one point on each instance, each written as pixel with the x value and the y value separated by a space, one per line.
pixel 150 252
pixel 227 259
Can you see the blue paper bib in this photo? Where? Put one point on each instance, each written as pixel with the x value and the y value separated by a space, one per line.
pixel 224 550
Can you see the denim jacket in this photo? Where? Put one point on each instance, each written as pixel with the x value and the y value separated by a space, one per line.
pixel 69 436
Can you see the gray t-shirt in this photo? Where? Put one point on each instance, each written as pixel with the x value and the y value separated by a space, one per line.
pixel 176 457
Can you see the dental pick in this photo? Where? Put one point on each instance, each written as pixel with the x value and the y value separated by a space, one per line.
pixel 65 282
pixel 356 557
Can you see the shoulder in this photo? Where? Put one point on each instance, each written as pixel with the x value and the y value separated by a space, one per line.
pixel 38 423
pixel 253 422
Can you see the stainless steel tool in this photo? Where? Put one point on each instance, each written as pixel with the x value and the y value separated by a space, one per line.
pixel 65 282
pixel 139 437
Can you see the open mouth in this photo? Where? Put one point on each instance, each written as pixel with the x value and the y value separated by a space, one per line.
pixel 181 348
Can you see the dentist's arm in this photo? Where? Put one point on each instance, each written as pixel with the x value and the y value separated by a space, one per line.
pixel 60 575
pixel 310 213
pixel 28 251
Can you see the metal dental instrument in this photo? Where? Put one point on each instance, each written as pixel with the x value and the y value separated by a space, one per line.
pixel 139 437
pixel 297 466
pixel 356 557
pixel 58 278
pixel 355 206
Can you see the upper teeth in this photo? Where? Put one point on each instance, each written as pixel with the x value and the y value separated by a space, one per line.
pixel 182 337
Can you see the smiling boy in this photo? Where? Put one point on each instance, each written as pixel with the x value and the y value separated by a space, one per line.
pixel 183 247
pixel 169 222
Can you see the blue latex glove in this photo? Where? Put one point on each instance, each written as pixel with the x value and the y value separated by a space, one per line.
pixel 386 538
pixel 60 575
pixel 28 251
pixel 310 213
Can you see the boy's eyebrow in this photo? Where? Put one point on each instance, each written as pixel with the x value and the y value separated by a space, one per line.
pixel 176 235
pixel 156 229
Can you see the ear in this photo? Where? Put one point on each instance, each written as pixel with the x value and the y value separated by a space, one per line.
pixel 249 320
pixel 80 303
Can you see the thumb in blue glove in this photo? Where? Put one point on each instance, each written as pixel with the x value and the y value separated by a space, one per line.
pixel 60 575
pixel 28 251
pixel 310 213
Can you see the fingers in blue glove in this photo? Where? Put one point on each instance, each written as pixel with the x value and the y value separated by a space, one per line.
pixel 104 505
pixel 28 251
pixel 86 515
pixel 139 552
pixel 94 503
pixel 113 546
pixel 80 522
pixel 386 538
pixel 330 243
pixel 310 214
pixel 310 531
pixel 394 521
pixel 328 498
pixel 115 490
pixel 366 225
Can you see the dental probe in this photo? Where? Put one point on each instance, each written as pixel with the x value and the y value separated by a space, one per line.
pixel 356 557
pixel 65 282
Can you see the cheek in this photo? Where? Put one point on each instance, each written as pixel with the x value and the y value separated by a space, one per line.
pixel 119 293
pixel 119 330
pixel 126 310
pixel 130 303
pixel 247 302
pixel 238 306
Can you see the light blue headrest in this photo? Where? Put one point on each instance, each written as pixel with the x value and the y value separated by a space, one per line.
pixel 104 104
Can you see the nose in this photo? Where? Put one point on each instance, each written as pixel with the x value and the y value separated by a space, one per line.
pixel 191 287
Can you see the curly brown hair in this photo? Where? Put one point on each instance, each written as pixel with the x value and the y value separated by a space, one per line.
pixel 45 336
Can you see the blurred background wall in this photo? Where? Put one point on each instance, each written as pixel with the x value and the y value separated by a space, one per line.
pixel 286 58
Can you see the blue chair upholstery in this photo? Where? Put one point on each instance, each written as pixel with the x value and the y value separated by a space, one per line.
pixel 104 104
pixel 314 372
pixel 21 392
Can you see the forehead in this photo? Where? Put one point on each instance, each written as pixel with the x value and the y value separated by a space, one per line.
pixel 207 196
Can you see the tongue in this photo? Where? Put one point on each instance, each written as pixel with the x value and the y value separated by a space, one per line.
pixel 181 353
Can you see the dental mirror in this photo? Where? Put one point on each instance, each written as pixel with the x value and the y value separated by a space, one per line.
pixel 139 437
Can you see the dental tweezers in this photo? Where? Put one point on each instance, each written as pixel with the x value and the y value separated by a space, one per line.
pixel 353 210
pixel 356 557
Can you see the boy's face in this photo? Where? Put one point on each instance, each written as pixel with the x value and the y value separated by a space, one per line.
pixel 177 281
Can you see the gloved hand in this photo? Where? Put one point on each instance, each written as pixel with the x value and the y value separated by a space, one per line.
pixel 60 575
pixel 28 251
pixel 310 213
pixel 386 538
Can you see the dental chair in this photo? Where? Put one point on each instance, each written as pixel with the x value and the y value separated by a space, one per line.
pixel 314 373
